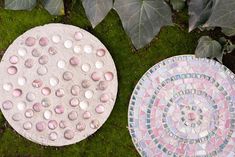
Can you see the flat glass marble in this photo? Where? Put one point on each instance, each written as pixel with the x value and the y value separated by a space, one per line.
pixel 184 106
pixel 58 84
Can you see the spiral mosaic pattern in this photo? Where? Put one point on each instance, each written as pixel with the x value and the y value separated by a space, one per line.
pixel 184 106
pixel 58 84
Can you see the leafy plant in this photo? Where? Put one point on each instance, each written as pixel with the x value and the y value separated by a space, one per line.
pixel 207 47
pixel 178 4
pixel 96 10
pixel 20 4
pixel 143 19
pixel 199 12
pixel 54 7
pixel 210 14
pixel 213 13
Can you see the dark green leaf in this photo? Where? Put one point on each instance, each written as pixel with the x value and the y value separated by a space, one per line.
pixel 208 47
pixel 223 15
pixel 96 10
pixel 54 7
pixel 20 4
pixel 199 12
pixel 143 19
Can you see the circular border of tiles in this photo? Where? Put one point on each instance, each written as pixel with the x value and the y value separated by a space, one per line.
pixel 184 106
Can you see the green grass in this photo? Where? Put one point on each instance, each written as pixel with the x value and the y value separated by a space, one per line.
pixel 113 139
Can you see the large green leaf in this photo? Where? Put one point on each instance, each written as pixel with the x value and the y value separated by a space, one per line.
pixel 143 19
pixel 199 12
pixel 223 15
pixel 54 7
pixel 208 47
pixel 96 10
pixel 20 4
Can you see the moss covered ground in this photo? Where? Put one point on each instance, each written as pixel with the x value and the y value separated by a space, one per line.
pixel 113 139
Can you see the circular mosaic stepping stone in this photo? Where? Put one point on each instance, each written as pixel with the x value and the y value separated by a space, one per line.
pixel 184 106
pixel 58 84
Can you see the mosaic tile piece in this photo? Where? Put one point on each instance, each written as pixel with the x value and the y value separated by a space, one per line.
pixel 184 106
pixel 58 84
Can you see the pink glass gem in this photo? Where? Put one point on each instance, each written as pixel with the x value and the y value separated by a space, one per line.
pixel 63 124
pixel 59 109
pixel 102 85
pixel 52 124
pixel 42 70
pixel 104 98
pixel 36 53
pixel 37 83
pixel 7 105
pixel 46 91
pixel 30 97
pixel 46 102
pixel 27 125
pixel 95 124
pixel 99 109
pixel 43 41
pixel 29 113
pixel 60 92
pixel 73 115
pixel 43 60
pixel 86 115
pixel 52 51
pixel 86 83
pixel 67 76
pixel 41 126
pixel 81 126
pixel 191 116
pixel 37 107
pixel 17 117
pixel 74 61
pixel 75 90
pixel 100 52
pixel 12 70
pixel 53 136
pixel 17 92
pixel 108 76
pixel 30 41
pixel 69 134
pixel 29 63
pixel 74 102
pixel 78 36
pixel 96 76
pixel 13 59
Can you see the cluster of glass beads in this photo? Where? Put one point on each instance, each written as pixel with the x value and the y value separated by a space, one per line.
pixel 58 84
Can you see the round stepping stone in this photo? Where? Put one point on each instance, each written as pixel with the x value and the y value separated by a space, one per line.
pixel 58 84
pixel 182 106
